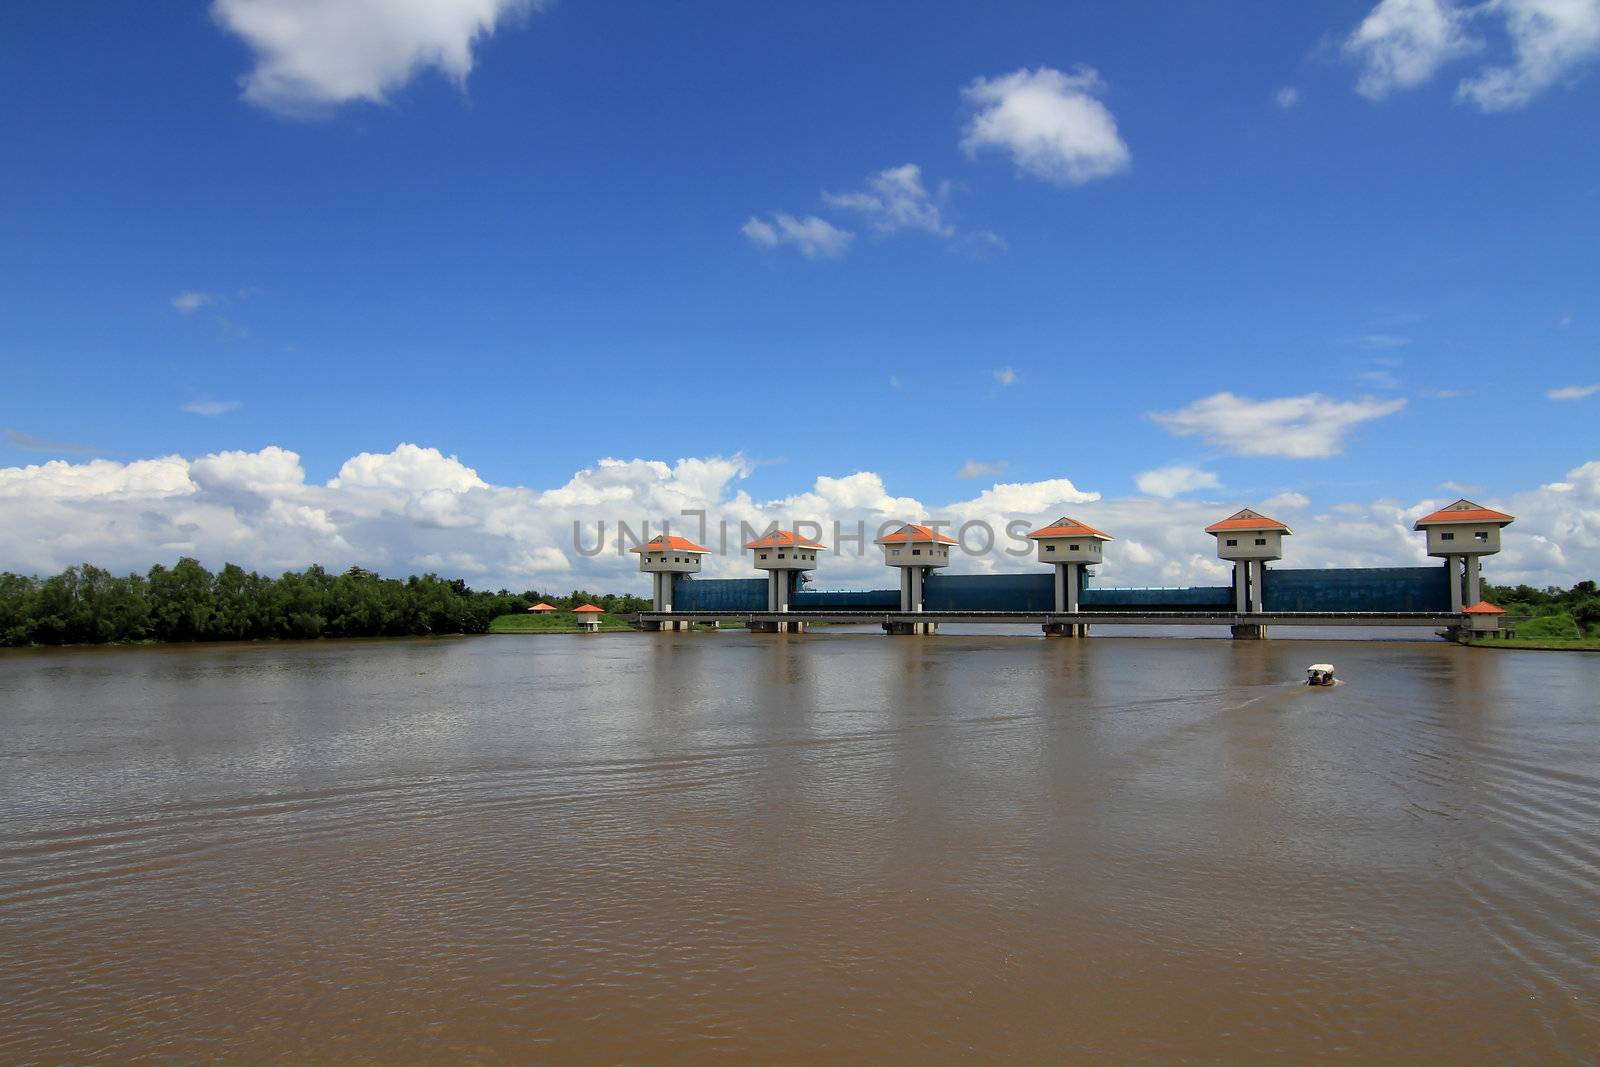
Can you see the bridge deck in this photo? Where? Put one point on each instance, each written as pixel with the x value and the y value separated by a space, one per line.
pixel 1097 618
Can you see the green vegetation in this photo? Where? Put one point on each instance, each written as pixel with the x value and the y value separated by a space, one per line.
pixel 1553 644
pixel 89 605
pixel 555 622
pixel 1580 605
pixel 1558 618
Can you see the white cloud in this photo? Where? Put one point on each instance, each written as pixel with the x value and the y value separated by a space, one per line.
pixel 1287 97
pixel 407 467
pixel 1382 340
pixel 1167 482
pixel 1549 40
pixel 190 300
pixel 816 238
pixel 895 199
pixel 314 54
pixel 1050 122
pixel 1006 376
pixel 1288 500
pixel 416 509
pixel 1403 43
pixel 1298 427
pixel 973 468
pixel 211 408
pixel 1573 392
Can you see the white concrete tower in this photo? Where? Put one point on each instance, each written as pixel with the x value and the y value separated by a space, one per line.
pixel 1462 534
pixel 783 554
pixel 915 550
pixel 1069 545
pixel 1248 539
pixel 663 557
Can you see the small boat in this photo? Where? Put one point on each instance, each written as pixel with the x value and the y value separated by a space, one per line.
pixel 1319 674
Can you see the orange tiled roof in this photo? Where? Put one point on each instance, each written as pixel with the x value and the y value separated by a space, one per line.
pixel 1247 519
pixel 783 539
pixel 1463 511
pixel 542 606
pixel 1483 607
pixel 1065 527
pixel 672 543
pixel 588 609
pixel 912 533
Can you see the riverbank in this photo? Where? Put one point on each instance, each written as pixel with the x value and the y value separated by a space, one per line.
pixel 1541 644
pixel 559 622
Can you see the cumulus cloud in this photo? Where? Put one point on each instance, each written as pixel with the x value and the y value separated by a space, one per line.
pixel 1403 43
pixel 1298 427
pixel 1167 482
pixel 415 508
pixel 314 54
pixel 1288 500
pixel 895 199
pixel 1573 392
pixel 973 468
pixel 1549 39
pixel 1006 376
pixel 211 408
pixel 1051 123
pixel 1287 97
pixel 815 238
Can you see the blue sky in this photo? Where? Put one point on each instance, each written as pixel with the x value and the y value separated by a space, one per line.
pixel 558 239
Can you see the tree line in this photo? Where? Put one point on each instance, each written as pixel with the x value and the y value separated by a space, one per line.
pixel 186 602
pixel 1581 603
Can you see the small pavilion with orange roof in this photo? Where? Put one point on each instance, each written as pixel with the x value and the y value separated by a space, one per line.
pixel 783 554
pixel 1483 616
pixel 588 617
pixel 541 608
pixel 664 557
pixel 1069 545
pixel 1461 534
pixel 1248 540
pixel 915 549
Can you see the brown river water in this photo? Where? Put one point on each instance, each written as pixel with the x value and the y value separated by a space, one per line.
pixel 844 848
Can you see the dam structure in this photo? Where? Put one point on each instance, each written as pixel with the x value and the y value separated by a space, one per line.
pixel 1065 602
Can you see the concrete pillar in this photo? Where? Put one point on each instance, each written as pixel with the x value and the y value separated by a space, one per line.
pixel 1474 581
pixel 1249 631
pixel 916 587
pixel 1452 566
pixel 1258 584
pixel 1241 582
pixel 1073 570
pixel 1061 588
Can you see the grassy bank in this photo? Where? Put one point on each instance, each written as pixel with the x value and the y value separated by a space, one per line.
pixel 1551 644
pixel 1554 631
pixel 559 622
